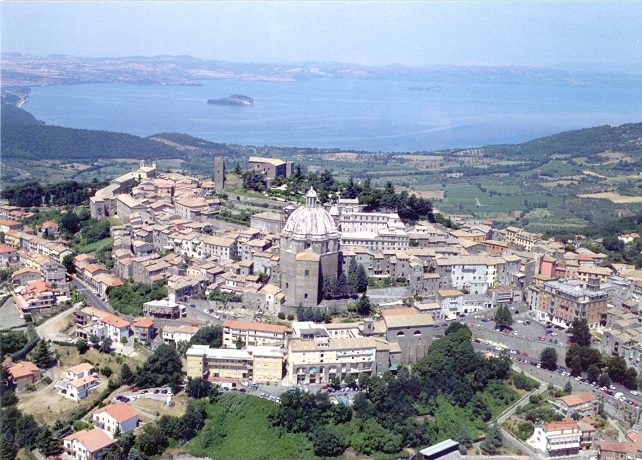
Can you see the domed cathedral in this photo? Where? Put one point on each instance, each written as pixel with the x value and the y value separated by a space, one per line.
pixel 309 252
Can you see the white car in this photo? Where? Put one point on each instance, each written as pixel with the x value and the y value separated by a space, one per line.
pixel 634 393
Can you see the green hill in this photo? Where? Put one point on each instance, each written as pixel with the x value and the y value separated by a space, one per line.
pixel 24 138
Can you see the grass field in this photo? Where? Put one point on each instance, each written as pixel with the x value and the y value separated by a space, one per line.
pixel 102 244
pixel 614 197
pixel 242 429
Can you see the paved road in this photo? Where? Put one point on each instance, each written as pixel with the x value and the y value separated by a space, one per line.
pixel 90 296
pixel 10 315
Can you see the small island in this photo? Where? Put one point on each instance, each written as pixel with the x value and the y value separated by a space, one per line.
pixel 234 99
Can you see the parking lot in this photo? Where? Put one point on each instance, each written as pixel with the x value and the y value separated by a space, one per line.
pixel 10 315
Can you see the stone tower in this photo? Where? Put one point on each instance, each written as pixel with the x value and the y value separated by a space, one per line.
pixel 219 173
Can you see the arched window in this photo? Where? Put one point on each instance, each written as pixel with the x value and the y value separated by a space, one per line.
pixel 417 332
pixel 400 334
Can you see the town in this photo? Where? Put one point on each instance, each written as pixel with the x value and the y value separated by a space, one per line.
pixel 317 294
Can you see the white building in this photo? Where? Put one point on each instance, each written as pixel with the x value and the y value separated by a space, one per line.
pixel 179 333
pixel 558 438
pixel 115 416
pixel 87 444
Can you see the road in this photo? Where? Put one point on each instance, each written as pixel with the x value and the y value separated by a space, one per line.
pixel 90 296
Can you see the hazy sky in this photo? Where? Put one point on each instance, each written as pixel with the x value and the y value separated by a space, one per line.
pixel 364 32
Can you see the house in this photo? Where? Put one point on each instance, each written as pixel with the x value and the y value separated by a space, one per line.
pixel 79 371
pixel 558 438
pixel 77 389
pixel 86 444
pixel 37 295
pixel 617 450
pixel 144 329
pixel 179 334
pixel 8 255
pixel 584 403
pixel 115 416
pixel 25 373
pixel 24 276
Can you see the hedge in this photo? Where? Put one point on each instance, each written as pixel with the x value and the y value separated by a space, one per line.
pixel 33 341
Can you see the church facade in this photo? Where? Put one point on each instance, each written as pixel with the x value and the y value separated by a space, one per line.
pixel 309 253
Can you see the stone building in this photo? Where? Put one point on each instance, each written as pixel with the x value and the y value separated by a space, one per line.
pixel 309 252
pixel 271 167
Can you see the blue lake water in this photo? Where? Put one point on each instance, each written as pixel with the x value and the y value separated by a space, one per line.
pixel 372 115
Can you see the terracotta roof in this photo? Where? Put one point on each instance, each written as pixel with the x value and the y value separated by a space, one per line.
pixel 120 412
pixel 23 369
pixel 564 424
pixel 255 326
pixel 635 437
pixel 82 381
pixel 399 311
pixel 80 368
pixel 615 446
pixel 114 320
pixel 582 397
pixel 143 322
pixel 93 440
pixel 25 270
pixel 6 248
pixel 450 293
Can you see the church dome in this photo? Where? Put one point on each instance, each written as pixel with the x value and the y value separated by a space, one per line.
pixel 310 222
pixel 334 211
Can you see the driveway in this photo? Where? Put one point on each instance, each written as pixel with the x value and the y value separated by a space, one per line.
pixel 10 315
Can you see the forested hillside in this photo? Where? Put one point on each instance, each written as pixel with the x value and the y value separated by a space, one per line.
pixel 23 138
pixel 583 142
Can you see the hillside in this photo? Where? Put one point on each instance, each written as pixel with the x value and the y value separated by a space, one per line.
pixel 23 138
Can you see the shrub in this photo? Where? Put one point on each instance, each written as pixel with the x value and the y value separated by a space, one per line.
pixel 281 315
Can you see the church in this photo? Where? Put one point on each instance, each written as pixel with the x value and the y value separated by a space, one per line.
pixel 309 252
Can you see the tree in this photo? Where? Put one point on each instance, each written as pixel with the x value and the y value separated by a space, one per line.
pixel 198 388
pixel 503 317
pixel 605 380
pixel 163 367
pixel 82 346
pixel 326 443
pixel 631 379
pixel 548 358
pixel 95 341
pixel 593 373
pixel 362 279
pixel 239 343
pixel 210 335
pixel 580 333
pixel 464 439
pixel 352 285
pixel 105 345
pixel 493 441
pixel 41 356
pixel 568 388
pixel 363 305
pixel 126 374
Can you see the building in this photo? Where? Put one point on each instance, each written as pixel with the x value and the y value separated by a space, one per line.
pixel 309 253
pixel 179 333
pixel 219 173
pixel 36 295
pixel 144 329
pixel 584 403
pixel 77 389
pixel 268 222
pixel 558 438
pixel 617 450
pixel 25 373
pixel 320 359
pixel 24 276
pixel 253 333
pixel 411 331
pixel 271 167
pixel 79 371
pixel 562 301
pixel 262 364
pixel 116 416
pixel 451 303
pixel 8 255
pixel 87 444
pixel 164 309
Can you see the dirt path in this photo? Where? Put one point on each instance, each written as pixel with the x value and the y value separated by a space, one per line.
pixel 49 329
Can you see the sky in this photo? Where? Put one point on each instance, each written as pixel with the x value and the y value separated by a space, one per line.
pixel 540 34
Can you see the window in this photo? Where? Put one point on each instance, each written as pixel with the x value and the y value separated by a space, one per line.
pixel 306 273
pixel 305 296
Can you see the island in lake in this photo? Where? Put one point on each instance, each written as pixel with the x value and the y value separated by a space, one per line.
pixel 234 99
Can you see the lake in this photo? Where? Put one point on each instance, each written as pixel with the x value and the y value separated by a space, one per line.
pixel 370 115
